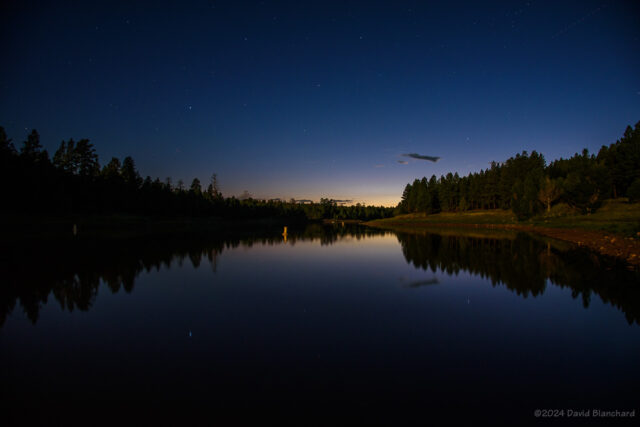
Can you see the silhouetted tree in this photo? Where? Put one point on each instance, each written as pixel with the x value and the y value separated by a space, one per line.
pixel 622 161
pixel 212 189
pixel 111 171
pixel 6 146
pixel 63 157
pixel 32 149
pixel 129 173
pixel 87 159
pixel 195 186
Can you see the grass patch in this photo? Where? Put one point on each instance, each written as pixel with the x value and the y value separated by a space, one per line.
pixel 496 216
pixel 614 216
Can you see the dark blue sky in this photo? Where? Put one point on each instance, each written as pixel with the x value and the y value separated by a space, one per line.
pixel 320 99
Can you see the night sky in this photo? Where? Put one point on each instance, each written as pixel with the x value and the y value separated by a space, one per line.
pixel 320 99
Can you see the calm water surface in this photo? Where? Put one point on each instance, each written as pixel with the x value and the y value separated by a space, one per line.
pixel 392 324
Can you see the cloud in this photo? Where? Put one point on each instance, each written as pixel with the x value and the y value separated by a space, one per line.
pixel 422 157
pixel 403 162
pixel 420 283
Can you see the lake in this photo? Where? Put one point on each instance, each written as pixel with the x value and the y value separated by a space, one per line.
pixel 385 326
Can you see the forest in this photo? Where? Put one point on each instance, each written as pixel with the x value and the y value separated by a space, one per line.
pixel 73 182
pixel 529 186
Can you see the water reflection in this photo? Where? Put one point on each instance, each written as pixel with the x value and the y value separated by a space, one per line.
pixel 525 265
pixel 71 271
pixel 419 283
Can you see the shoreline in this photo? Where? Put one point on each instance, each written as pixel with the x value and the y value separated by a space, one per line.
pixel 117 225
pixel 626 249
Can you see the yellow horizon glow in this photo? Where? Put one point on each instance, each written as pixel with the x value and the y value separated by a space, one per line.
pixel 386 201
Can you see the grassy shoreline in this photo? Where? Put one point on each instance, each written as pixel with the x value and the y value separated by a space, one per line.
pixel 614 230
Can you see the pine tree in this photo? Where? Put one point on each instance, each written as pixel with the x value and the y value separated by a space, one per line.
pixel 212 189
pixel 87 158
pixel 65 157
pixel 6 146
pixel 112 169
pixel 196 188
pixel 31 148
pixel 129 173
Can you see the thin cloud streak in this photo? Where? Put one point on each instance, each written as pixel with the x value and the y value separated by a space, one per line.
pixel 422 157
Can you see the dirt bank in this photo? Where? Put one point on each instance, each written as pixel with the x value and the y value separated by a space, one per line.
pixel 626 248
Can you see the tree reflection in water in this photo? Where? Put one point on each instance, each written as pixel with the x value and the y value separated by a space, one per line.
pixel 71 270
pixel 525 265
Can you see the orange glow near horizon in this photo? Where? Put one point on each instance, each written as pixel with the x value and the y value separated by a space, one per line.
pixel 389 201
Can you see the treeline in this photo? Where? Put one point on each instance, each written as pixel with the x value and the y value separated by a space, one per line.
pixel 528 186
pixel 72 181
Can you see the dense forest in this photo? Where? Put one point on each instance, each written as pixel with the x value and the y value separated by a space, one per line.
pixel 73 182
pixel 528 186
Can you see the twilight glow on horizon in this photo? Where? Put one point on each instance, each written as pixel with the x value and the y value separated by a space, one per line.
pixel 320 99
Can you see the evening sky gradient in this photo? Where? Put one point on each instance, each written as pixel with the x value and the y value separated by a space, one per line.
pixel 320 99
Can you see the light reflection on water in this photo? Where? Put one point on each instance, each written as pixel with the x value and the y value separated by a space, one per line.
pixel 333 315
